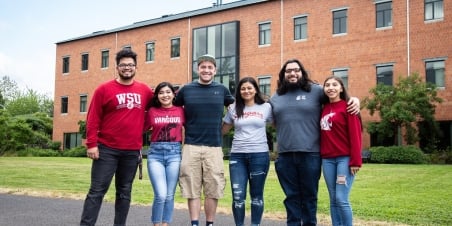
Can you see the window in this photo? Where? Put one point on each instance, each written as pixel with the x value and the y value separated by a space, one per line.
pixel 300 27
pixel 104 61
pixel 150 51
pixel 72 140
pixel 340 21
pixel 64 105
pixel 434 72
pixel 434 9
pixel 264 34
pixel 343 74
pixel 384 74
pixel 127 47
pixel 222 42
pixel 175 47
pixel 384 14
pixel 264 86
pixel 84 62
pixel 65 64
pixel 83 102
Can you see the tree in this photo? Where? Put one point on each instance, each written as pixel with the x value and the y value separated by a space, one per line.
pixel 30 102
pixel 25 118
pixel 25 131
pixel 401 107
pixel 9 89
pixel 18 102
pixel 82 128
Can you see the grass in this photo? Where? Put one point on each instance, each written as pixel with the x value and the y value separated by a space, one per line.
pixel 381 195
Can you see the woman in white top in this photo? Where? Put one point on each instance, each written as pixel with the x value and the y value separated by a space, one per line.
pixel 249 159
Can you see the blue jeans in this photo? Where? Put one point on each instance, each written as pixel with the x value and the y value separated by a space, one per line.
pixel 339 180
pixel 299 175
pixel 163 169
pixel 252 168
pixel 122 164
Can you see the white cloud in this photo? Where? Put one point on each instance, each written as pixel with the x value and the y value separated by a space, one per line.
pixel 32 73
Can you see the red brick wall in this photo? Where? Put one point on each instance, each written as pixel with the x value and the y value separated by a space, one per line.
pixel 360 50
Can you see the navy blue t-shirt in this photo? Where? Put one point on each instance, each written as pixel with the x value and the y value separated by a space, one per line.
pixel 203 107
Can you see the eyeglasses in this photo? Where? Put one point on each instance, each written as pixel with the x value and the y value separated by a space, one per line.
pixel 290 70
pixel 126 65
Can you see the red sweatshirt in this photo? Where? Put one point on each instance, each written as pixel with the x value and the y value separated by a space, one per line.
pixel 340 133
pixel 116 115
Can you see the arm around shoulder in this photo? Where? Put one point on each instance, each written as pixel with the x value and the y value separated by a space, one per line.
pixel 353 105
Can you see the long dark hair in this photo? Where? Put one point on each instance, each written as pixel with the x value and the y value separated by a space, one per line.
pixel 239 103
pixel 155 99
pixel 304 83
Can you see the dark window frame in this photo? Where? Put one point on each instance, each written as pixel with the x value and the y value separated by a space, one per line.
pixel 105 54
pixel 265 85
pixel 150 51
pixel 435 8
pixel 265 33
pixel 175 47
pixel 66 63
pixel 223 42
pixel 300 27
pixel 72 140
pixel 432 73
pixel 85 61
pixel 343 74
pixel 64 104
pixel 340 21
pixel 383 75
pixel 83 103
pixel 383 14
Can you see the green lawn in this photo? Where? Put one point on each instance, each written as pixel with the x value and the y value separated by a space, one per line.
pixel 381 194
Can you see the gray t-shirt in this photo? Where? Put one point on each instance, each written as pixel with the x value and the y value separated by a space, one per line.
pixel 297 118
pixel 249 131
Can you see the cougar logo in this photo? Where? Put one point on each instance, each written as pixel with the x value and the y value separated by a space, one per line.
pixel 165 134
pixel 325 122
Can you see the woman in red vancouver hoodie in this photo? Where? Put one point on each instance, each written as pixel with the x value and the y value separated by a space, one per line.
pixel 340 148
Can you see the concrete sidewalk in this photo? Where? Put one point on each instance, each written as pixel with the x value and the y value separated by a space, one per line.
pixel 20 210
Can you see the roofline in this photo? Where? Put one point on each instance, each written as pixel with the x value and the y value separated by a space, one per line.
pixel 171 17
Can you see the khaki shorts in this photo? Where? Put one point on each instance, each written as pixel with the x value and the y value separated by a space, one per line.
pixel 202 167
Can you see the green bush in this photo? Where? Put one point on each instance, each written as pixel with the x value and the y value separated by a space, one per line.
pixel 79 151
pixel 398 154
pixel 35 152
pixel 441 157
pixel 54 145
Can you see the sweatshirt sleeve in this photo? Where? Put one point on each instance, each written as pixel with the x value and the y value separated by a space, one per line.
pixel 93 119
pixel 354 127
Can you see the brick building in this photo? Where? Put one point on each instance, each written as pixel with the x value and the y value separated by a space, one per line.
pixel 365 42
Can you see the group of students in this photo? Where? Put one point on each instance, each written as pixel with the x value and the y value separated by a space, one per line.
pixel 186 143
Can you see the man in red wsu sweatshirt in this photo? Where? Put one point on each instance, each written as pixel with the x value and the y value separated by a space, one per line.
pixel 114 128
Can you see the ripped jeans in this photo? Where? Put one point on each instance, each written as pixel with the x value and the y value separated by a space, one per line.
pixel 252 168
pixel 339 180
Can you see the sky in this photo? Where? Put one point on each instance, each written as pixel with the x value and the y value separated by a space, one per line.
pixel 30 29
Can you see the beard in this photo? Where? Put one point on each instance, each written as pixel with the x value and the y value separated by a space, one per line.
pixel 292 85
pixel 126 78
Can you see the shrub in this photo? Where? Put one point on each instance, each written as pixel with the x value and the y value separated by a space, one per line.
pixel 398 154
pixel 38 153
pixel 54 145
pixel 441 157
pixel 79 151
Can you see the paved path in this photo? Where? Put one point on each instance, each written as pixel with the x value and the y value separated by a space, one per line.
pixel 20 210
